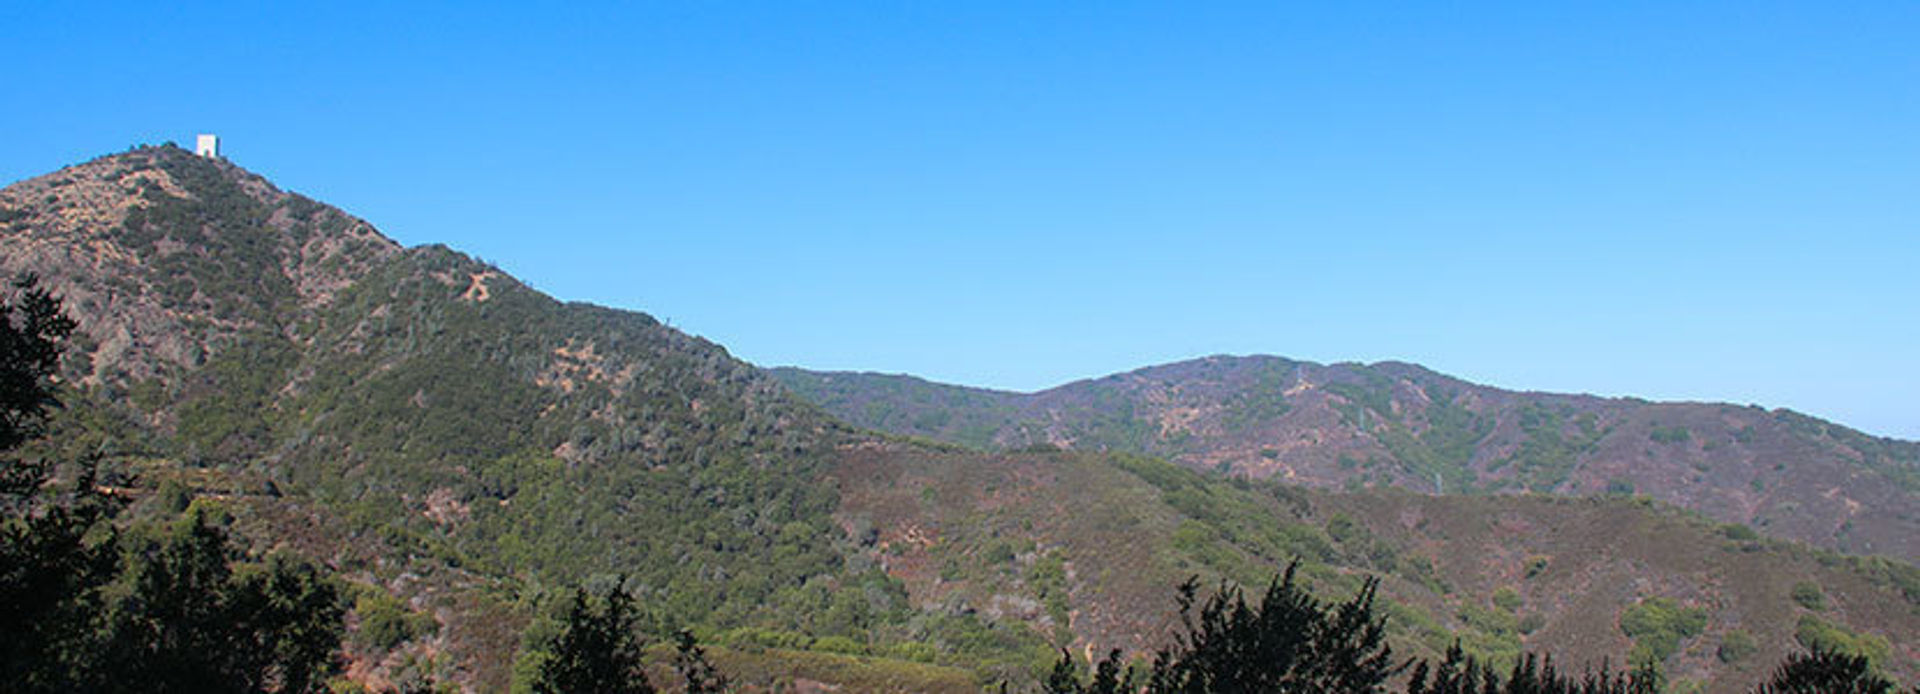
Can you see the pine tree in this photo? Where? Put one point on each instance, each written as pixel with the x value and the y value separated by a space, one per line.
pixel 691 662
pixel 1825 672
pixel 1064 678
pixel 1108 677
pixel 32 329
pixel 597 651
pixel 1289 642
pixel 52 559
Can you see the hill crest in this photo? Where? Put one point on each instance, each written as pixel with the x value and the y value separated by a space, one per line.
pixel 1350 425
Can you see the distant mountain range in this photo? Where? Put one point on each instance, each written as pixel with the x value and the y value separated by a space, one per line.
pixel 441 434
pixel 1352 426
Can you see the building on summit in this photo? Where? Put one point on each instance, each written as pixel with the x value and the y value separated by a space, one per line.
pixel 208 146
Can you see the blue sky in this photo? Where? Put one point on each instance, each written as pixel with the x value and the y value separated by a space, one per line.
pixel 1706 201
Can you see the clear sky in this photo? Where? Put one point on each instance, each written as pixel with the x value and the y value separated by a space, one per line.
pixel 1699 200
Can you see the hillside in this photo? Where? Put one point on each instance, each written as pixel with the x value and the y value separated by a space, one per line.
pixel 1095 541
pixel 273 350
pixel 463 450
pixel 1353 426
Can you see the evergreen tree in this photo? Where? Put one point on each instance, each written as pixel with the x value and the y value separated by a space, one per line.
pixel 55 552
pixel 32 328
pixel 52 564
pixel 1064 678
pixel 1108 677
pixel 191 623
pixel 691 662
pixel 1289 642
pixel 1458 673
pixel 597 650
pixel 1825 672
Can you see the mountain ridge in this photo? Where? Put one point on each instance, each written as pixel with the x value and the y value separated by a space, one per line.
pixel 1403 424
pixel 433 428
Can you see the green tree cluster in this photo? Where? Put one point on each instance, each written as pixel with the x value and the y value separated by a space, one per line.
pixel 86 607
pixel 598 650
pixel 1459 673
pixel 1287 642
pixel 1826 672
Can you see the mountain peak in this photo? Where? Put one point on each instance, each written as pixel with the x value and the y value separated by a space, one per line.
pixel 199 251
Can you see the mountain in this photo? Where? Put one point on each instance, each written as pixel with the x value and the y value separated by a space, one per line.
pixel 279 353
pixel 1349 426
pixel 462 450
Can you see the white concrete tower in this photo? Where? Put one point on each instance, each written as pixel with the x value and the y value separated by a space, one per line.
pixel 207 145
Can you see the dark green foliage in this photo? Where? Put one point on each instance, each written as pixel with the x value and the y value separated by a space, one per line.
pixel 385 622
pixel 52 565
pixel 597 651
pixel 54 552
pixel 1065 676
pixel 191 622
pixel 1825 672
pixel 690 661
pixel 1459 673
pixel 1289 642
pixel 32 328
pixel 1109 676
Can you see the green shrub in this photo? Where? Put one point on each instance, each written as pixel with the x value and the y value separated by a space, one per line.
pixel 1735 646
pixel 1808 595
pixel 1658 626
pixel 1738 532
pixel 1817 634
pixel 1507 598
pixel 1675 434
pixel 386 622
